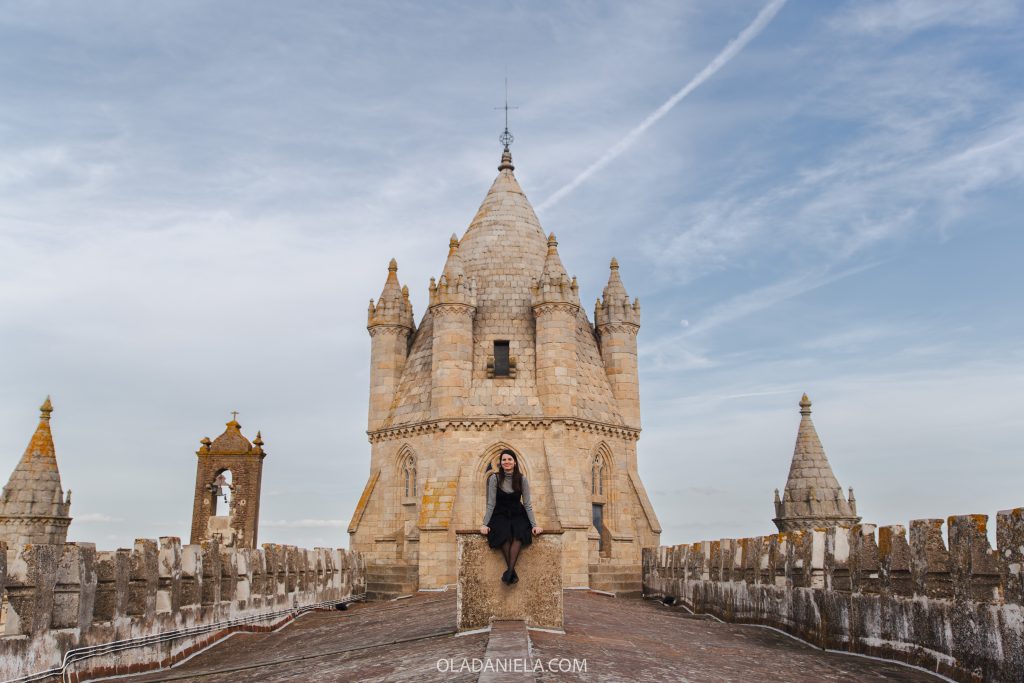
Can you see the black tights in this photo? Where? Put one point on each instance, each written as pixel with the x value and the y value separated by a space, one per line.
pixel 510 549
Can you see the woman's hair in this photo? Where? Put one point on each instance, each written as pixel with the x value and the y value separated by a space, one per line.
pixel 517 475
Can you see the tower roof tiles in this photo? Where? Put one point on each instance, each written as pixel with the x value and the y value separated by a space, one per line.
pixel 503 254
pixel 813 496
pixel 34 488
pixel 231 442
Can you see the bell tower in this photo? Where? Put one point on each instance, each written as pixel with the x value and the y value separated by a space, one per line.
pixel 229 473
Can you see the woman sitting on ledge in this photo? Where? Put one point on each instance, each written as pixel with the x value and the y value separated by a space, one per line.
pixel 509 523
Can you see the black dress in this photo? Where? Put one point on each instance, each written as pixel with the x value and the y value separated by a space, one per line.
pixel 509 520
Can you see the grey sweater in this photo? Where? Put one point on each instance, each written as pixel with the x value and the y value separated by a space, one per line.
pixel 506 486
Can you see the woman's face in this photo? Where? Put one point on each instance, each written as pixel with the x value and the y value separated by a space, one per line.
pixel 508 463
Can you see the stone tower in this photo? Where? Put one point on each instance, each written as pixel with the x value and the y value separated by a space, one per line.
pixel 813 498
pixel 230 461
pixel 504 357
pixel 33 507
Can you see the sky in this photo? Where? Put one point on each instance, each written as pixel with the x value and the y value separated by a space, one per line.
pixel 198 199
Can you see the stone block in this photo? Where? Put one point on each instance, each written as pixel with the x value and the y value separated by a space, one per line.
pixel 1010 542
pixel 31 578
pixel 929 559
pixel 482 597
pixel 974 566
pixel 74 594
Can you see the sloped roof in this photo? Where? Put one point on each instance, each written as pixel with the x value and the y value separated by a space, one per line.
pixel 34 488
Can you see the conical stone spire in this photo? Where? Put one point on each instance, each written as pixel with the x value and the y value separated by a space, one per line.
pixel 813 498
pixel 504 255
pixel 33 507
pixel 504 238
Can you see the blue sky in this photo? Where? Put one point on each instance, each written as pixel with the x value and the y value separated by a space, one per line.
pixel 197 200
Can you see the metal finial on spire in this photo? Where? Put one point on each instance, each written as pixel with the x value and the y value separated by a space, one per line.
pixel 506 137
pixel 234 416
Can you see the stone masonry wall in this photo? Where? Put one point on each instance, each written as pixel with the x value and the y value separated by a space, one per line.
pixel 956 608
pixel 61 597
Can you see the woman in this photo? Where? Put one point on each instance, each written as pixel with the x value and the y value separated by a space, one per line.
pixel 509 523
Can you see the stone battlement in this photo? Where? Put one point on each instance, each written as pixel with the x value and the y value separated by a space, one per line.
pixel 956 608
pixel 58 598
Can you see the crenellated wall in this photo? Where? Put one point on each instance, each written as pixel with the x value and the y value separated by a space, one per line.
pixel 955 609
pixel 62 597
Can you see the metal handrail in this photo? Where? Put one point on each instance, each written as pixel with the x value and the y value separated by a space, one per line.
pixel 76 655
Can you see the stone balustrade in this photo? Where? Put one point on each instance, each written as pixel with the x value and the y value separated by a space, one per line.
pixel 953 608
pixel 58 598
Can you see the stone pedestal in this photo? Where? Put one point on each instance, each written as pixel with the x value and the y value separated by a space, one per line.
pixel 482 597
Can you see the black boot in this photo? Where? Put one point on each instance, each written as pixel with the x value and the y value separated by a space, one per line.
pixel 505 577
pixel 513 578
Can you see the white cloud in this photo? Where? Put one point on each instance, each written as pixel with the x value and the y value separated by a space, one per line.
pixel 305 523
pixel 908 16
pixel 94 518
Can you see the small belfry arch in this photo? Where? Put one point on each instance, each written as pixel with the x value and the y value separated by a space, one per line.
pixel 222 493
pixel 407 473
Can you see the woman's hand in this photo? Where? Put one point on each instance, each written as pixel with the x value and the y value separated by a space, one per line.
pixel 537 531
pixel 485 530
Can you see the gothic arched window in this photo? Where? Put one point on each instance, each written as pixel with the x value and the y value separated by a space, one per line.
pixel 409 475
pixel 601 496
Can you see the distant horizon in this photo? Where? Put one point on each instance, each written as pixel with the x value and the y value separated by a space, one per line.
pixel 199 201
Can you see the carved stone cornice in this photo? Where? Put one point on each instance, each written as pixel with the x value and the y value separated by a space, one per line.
pixel 452 310
pixel 8 520
pixel 618 328
pixel 384 330
pixel 489 424
pixel 555 307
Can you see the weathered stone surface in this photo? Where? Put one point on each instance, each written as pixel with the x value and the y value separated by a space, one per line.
pixel 606 639
pixel 60 597
pixel 1010 540
pixel 482 597
pixel 957 612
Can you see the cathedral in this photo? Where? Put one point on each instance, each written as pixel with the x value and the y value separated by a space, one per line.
pixel 504 357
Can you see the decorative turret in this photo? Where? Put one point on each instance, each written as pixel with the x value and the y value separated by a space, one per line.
pixel 556 305
pixel 614 308
pixel 812 498
pixel 393 308
pixel 617 322
pixel 453 287
pixel 452 307
pixel 554 285
pixel 33 507
pixel 390 324
pixel 229 476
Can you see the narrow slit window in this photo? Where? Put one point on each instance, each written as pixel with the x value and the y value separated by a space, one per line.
pixel 501 365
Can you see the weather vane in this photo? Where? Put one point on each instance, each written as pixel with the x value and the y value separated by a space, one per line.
pixel 506 137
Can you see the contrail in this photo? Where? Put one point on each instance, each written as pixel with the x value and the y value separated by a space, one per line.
pixel 720 60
